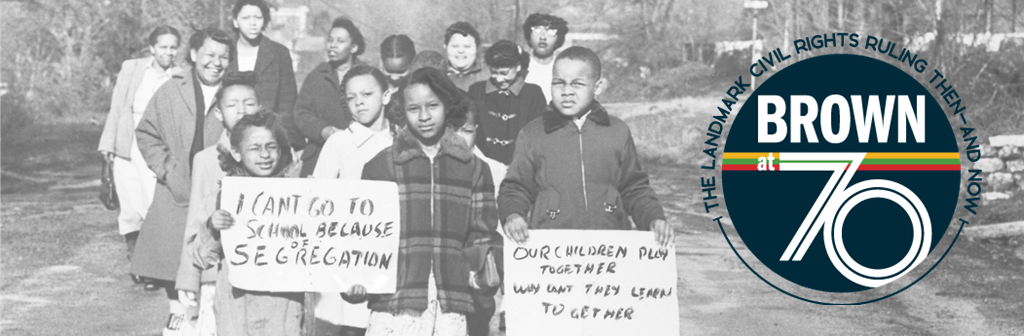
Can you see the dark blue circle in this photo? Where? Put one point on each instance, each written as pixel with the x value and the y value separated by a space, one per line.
pixel 766 208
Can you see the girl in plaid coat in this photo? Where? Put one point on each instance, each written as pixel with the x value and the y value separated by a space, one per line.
pixel 448 211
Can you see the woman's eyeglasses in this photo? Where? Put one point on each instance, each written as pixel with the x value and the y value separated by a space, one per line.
pixel 542 30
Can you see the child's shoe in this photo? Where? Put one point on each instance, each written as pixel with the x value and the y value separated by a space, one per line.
pixel 175 325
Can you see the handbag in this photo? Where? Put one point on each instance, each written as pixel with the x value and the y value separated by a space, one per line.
pixel 108 194
pixel 485 269
pixel 489 276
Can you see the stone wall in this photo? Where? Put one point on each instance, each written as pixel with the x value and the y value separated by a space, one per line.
pixel 1002 163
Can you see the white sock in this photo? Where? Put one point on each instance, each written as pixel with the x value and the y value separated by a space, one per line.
pixel 176 307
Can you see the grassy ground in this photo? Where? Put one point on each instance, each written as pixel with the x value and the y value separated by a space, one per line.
pixel 669 132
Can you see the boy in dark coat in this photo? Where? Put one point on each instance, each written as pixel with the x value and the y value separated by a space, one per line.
pixel 576 167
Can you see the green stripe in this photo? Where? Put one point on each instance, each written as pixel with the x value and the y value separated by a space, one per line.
pixel 740 161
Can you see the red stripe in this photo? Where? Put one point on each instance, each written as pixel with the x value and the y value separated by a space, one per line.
pixel 736 167
pixel 910 167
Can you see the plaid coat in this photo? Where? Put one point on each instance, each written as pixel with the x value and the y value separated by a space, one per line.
pixel 448 208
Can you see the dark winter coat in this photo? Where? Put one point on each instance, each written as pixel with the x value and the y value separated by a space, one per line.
pixel 276 87
pixel 573 178
pixel 500 116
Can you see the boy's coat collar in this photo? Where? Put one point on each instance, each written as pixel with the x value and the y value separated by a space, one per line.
pixel 514 89
pixel 476 67
pixel 553 120
pixel 407 147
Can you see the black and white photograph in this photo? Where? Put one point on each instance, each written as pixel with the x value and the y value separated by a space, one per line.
pixel 511 167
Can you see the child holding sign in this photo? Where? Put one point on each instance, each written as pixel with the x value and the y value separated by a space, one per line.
pixel 343 156
pixel 447 205
pixel 236 98
pixel 576 167
pixel 259 148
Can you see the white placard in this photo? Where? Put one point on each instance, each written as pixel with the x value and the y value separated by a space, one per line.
pixel 311 235
pixel 602 282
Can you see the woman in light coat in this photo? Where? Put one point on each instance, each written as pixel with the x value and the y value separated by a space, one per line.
pixel 136 83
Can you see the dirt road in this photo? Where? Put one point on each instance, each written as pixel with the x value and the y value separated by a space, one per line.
pixel 64 273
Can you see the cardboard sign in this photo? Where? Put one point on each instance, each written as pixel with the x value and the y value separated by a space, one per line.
pixel 570 282
pixel 311 235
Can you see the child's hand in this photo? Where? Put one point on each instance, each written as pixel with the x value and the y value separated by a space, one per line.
pixel 187 298
pixel 662 232
pixel 516 228
pixel 355 294
pixel 472 280
pixel 327 131
pixel 221 220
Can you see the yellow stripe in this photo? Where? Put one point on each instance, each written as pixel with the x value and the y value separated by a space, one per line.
pixel 953 155
pixel 948 155
pixel 740 155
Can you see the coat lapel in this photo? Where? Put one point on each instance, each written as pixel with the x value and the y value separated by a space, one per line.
pixel 186 89
pixel 138 72
pixel 264 56
pixel 330 74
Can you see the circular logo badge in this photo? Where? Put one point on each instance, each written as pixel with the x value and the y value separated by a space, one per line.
pixel 841 174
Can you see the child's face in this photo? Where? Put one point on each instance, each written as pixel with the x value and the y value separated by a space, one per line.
pixel 504 77
pixel 236 101
pixel 574 86
pixel 396 68
pixel 461 51
pixel 468 130
pixel 249 21
pixel 258 152
pixel 424 112
pixel 339 45
pixel 366 99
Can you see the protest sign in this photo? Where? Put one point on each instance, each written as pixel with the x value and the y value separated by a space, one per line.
pixel 311 235
pixel 572 282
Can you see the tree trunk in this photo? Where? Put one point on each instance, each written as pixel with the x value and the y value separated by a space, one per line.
pixel 940 32
pixel 644 21
pixel 785 30
pixel 839 15
pixel 796 18
pixel 988 16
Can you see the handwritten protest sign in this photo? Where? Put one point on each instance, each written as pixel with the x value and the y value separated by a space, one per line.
pixel 570 282
pixel 306 235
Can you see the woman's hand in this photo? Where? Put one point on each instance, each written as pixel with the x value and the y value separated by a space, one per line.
pixel 221 220
pixel 187 298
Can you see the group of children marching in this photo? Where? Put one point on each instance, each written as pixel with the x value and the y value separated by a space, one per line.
pixel 517 142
